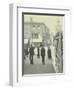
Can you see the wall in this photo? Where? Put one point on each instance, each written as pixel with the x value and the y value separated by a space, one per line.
pixel 40 83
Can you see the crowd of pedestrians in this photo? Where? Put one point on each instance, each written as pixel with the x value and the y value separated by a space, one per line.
pixel 40 52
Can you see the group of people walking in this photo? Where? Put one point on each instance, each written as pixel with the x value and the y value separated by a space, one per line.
pixel 40 52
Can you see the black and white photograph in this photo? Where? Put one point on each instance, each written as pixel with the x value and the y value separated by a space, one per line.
pixel 42 43
pixel 40 46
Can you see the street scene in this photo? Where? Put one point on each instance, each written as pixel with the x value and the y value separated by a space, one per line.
pixel 43 44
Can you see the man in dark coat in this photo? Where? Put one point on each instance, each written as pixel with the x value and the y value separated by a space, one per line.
pixel 43 54
pixel 31 51
pixel 49 53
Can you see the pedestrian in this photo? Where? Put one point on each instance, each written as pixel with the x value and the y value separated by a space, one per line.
pixel 49 53
pixel 38 52
pixel 26 51
pixel 24 54
pixel 31 51
pixel 43 55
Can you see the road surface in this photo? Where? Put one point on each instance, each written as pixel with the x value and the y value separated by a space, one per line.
pixel 38 67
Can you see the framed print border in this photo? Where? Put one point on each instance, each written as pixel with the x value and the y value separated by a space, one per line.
pixel 16 34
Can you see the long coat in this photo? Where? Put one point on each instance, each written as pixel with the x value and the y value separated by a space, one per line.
pixel 31 51
pixel 49 53
pixel 42 51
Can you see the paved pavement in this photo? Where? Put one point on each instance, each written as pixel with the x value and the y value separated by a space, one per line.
pixel 38 67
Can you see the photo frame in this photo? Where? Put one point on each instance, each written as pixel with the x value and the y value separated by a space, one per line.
pixel 23 20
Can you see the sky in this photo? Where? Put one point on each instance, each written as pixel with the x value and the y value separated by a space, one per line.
pixel 52 22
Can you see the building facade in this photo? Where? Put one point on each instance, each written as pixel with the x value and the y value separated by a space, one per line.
pixel 36 33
